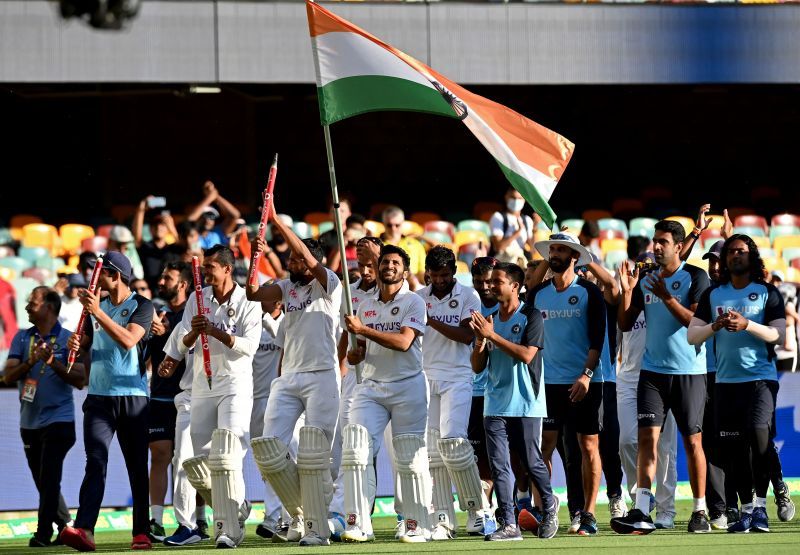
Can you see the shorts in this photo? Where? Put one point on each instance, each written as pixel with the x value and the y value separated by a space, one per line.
pixel 741 407
pixel 161 420
pixel 585 417
pixel 683 394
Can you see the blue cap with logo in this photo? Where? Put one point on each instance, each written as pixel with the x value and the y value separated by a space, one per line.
pixel 118 262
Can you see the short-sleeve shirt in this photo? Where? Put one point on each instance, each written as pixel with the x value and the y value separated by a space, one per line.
pixel 667 351
pixel 445 359
pixel 311 324
pixel 740 356
pixel 165 389
pixel 407 309
pixel 505 225
pixel 53 399
pixel 514 388
pixel 357 296
pixel 267 357
pixel 214 237
pixel 117 371
pixel 574 322
pixel 479 380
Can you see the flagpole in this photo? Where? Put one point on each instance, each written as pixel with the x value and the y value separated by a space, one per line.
pixel 337 222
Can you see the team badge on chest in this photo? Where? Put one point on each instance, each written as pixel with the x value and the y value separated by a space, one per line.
pixel 676 285
pixel 395 310
pixel 231 312
pixel 573 300
pixel 453 303
pixel 752 296
pixel 125 312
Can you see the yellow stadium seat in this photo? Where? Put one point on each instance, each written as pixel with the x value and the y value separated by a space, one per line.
pixel 697 262
pixel 687 223
pixel 785 241
pixel 72 235
pixel 541 235
pixel 793 275
pixel 374 228
pixel 716 221
pixel 772 263
pixel 411 229
pixel 7 274
pixel 609 245
pixel 19 221
pixel 470 236
pixel 461 267
pixel 761 242
pixel 40 235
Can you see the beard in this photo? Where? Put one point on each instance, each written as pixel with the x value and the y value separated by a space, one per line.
pixel 167 294
pixel 296 277
pixel 559 266
pixel 392 279
pixel 740 269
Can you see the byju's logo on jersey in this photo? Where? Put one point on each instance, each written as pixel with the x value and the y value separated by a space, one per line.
pixel 573 299
pixel 453 303
pixel 752 296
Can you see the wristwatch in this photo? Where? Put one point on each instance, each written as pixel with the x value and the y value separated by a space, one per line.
pixel 588 372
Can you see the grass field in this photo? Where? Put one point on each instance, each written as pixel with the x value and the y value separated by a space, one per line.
pixel 784 538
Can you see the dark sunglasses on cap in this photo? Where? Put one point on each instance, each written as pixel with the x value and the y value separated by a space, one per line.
pixel 485 261
pixel 371 239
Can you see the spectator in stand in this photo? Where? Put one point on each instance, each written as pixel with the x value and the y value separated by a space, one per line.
pixel 328 240
pixel 393 218
pixel 214 225
pixel 37 361
pixel 511 231
pixel 121 239
pixel 140 286
pixel 71 307
pixel 188 243
pixel 153 253
pixel 8 318
pixel 353 231
pixel 786 354
pixel 588 237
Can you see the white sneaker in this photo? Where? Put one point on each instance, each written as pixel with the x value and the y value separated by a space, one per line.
pixel 336 525
pixel 442 532
pixel 354 533
pixel 617 506
pixel 224 542
pixel 475 520
pixel 575 523
pixel 415 533
pixel 400 529
pixel 313 539
pixel 664 521
pixel 296 529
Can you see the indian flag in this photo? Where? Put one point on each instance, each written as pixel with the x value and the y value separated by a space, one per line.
pixel 359 73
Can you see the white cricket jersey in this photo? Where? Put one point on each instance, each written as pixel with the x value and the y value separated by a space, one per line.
pixel 631 351
pixel 231 368
pixel 357 295
pixel 267 357
pixel 445 359
pixel 406 310
pixel 171 349
pixel 310 325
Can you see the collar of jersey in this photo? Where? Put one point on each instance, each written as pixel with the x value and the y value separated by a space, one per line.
pixel 404 289
pixel 454 292
pixel 235 297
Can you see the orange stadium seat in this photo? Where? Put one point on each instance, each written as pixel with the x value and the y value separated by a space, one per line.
pixel 72 235
pixel 440 226
pixel 123 212
pixel 316 218
pixel 484 209
pixel 19 221
pixel 423 217
pixel 595 214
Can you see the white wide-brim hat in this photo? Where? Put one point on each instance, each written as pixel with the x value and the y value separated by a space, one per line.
pixel 561 238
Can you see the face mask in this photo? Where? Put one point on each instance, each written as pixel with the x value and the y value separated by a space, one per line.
pixel 515 204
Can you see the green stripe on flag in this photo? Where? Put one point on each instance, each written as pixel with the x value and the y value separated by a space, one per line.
pixel 351 96
pixel 531 194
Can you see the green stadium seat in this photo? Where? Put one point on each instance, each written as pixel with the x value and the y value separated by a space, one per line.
pixel 32 254
pixel 613 224
pixel 16 263
pixel 790 253
pixel 23 286
pixel 436 238
pixel 751 230
pixel 474 225
pixel 325 226
pixel 574 224
pixel 303 230
pixel 614 258
pixel 5 236
pixel 781 230
pixel 642 227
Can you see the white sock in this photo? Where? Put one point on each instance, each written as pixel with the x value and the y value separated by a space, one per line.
pixel 747 508
pixel 699 504
pixel 761 502
pixel 157 513
pixel 643 496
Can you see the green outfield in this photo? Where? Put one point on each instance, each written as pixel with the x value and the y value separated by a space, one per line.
pixel 784 538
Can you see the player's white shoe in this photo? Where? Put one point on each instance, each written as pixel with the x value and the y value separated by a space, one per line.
pixel 336 524
pixel 354 533
pixel 400 529
pixel 224 542
pixel 292 533
pixel 475 521
pixel 442 532
pixel 415 533
pixel 313 539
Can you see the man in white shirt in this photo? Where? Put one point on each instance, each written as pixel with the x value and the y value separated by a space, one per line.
pixel 309 381
pixel 511 231
pixel 390 326
pixel 220 414
pixel 446 359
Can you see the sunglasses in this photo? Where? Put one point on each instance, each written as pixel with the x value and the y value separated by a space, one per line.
pixel 370 239
pixel 485 261
pixel 393 225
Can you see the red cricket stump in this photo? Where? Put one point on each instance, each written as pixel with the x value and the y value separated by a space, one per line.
pixel 198 293
pixel 266 208
pixel 98 265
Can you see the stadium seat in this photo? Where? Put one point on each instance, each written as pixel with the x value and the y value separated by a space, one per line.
pixel 40 235
pixel 750 230
pixel 376 229
pixel 19 221
pixel 752 220
pixel 32 254
pixel 613 224
pixel 23 286
pixel 484 209
pixel 72 235
pixel 423 217
pixel 790 253
pixel 779 230
pixel 326 226
pixel 785 241
pixel 716 223
pixel 573 225
pixel 608 245
pixel 478 225
pixel 461 267
pixel 470 236
pixel 303 230
pixel 795 263
pixel 710 236
pixel 104 230
pixel 786 219
pixel 7 274
pixel 686 222
pixel 793 274
pixel 440 226
pixel 469 251
pixel 543 226
pixel 436 238
pixel 773 263
pixel 5 236
pixel 16 263
pixel 761 242
pixel 614 258
pixel 43 275
pixel 642 227
pixel 612 234
pixel 736 211
pixel 768 252
pixel 315 218
pixel 698 262
pixel 464 279
pixel 5 250
pixel 98 243
pixel 595 214
pixel 411 229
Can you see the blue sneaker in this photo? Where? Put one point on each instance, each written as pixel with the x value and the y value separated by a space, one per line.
pixel 741 526
pixel 337 525
pixel 760 521
pixel 183 536
pixel 489 524
pixel 588 525
pixel 523 503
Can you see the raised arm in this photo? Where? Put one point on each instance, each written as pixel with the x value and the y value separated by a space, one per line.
pixel 298 247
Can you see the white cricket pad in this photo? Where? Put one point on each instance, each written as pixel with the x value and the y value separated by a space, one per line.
pixel 199 476
pixel 225 462
pixel 316 484
pixel 359 482
pixel 459 457
pixel 279 470
pixel 411 458
pixel 443 511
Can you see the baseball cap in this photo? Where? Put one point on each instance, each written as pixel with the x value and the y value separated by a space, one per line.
pixel 715 250
pixel 121 234
pixel 210 212
pixel 778 274
pixel 118 262
pixel 646 257
pixel 76 280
